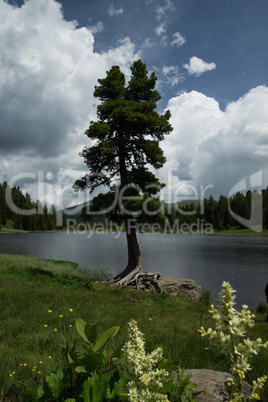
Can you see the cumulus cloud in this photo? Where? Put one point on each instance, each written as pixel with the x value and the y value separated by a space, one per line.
pixel 112 11
pixel 214 149
pixel 48 72
pixel 178 39
pixel 198 66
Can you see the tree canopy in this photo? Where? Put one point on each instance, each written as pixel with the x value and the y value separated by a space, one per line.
pixel 126 118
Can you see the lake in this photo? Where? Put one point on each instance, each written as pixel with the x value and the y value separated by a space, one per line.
pixel 207 259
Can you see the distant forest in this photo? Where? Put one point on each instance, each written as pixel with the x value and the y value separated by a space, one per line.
pixel 215 212
pixel 44 220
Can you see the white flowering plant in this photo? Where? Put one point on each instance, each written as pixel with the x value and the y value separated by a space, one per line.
pixel 147 382
pixel 229 335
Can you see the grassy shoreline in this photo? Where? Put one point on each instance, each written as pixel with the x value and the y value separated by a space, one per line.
pixel 30 287
pixel 230 232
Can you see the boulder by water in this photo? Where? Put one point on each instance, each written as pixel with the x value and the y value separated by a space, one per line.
pixel 185 287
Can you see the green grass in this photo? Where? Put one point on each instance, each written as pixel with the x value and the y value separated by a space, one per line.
pixel 29 287
pixel 242 232
pixel 9 230
pixel 229 232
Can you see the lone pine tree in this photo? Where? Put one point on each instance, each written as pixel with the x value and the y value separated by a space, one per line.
pixel 127 134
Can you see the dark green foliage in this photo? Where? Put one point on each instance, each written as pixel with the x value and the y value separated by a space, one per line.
pixel 265 207
pixel 261 308
pixel 206 297
pixel 89 360
pixel 182 389
pixel 84 375
pixel 128 132
pixel 34 215
pixel 217 213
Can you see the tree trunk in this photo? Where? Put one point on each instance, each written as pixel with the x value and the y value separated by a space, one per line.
pixel 134 265
pixel 133 274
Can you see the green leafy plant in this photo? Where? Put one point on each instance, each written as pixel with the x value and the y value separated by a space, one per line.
pixel 97 388
pixel 89 361
pixel 182 389
pixel 79 378
pixel 55 385
pixel 229 331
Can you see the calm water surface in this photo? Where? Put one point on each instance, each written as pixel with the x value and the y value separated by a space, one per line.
pixel 209 260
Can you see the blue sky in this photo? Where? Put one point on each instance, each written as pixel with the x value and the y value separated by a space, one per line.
pixel 210 57
pixel 230 33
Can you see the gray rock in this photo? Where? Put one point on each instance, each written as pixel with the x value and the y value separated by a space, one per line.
pixel 185 287
pixel 211 384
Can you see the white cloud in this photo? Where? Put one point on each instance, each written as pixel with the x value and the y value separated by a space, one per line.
pixel 48 72
pixel 178 39
pixel 164 41
pixel 147 43
pixel 198 66
pixel 172 75
pixel 212 148
pixel 160 30
pixel 96 28
pixel 112 11
pixel 162 9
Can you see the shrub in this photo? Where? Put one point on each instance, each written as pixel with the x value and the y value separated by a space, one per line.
pixel 206 296
pixel 261 308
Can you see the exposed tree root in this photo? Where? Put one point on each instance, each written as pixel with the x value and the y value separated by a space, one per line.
pixel 140 280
